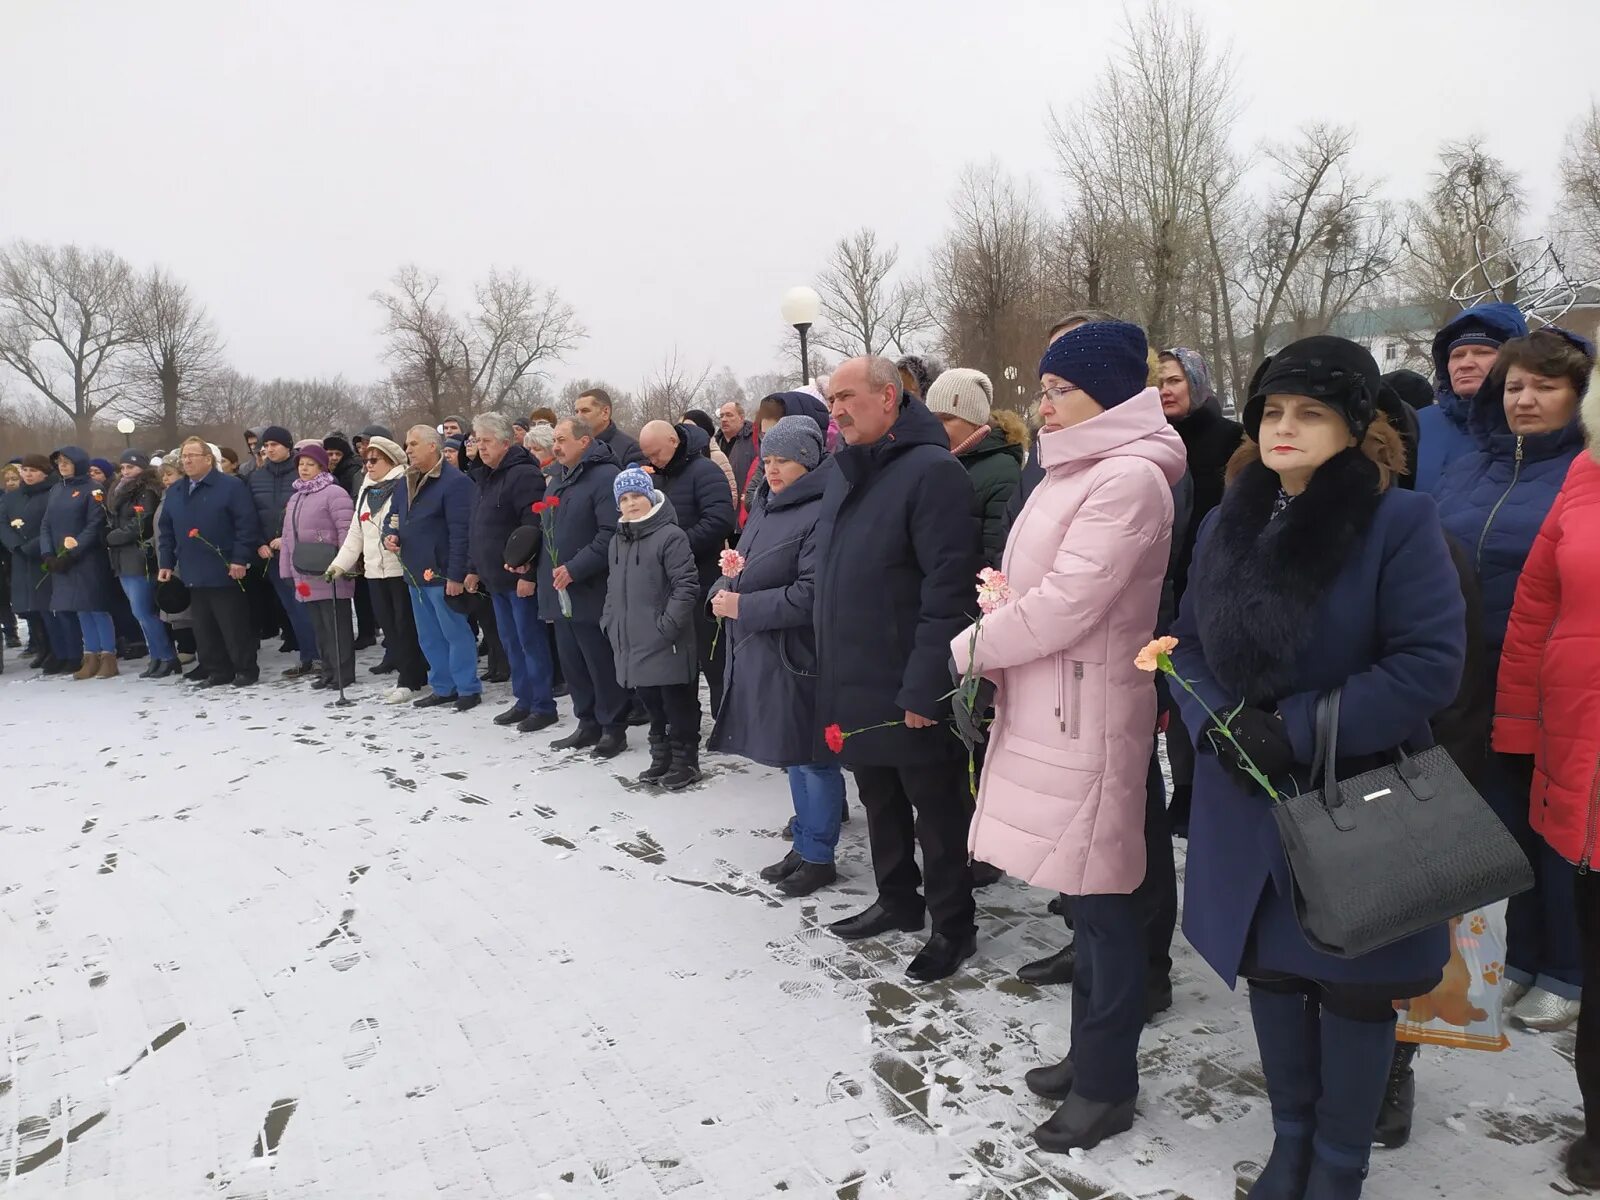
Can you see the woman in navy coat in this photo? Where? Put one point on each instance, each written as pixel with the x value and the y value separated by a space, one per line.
pixel 73 535
pixel 1314 573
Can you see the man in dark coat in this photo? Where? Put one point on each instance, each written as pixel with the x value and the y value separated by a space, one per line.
pixel 431 516
pixel 342 462
pixel 21 514
pixel 594 410
pixel 579 526
pixel 894 585
pixel 736 439
pixel 699 493
pixel 271 486
pixel 208 533
pixel 511 486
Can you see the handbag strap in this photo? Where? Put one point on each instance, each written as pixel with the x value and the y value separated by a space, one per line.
pixel 1325 758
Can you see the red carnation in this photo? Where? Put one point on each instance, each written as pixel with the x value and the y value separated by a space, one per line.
pixel 366 516
pixel 538 506
pixel 553 502
pixel 195 532
pixel 303 588
pixel 138 508
pixel 834 736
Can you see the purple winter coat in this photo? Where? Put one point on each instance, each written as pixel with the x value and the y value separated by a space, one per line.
pixel 319 511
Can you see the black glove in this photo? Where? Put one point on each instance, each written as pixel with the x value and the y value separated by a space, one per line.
pixel 1262 736
pixel 970 722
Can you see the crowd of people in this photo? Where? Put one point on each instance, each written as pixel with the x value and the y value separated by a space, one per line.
pixel 1423 546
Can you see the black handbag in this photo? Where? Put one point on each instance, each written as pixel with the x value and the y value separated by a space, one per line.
pixel 311 559
pixel 1391 852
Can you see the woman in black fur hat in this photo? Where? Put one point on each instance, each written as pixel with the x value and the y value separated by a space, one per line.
pixel 1315 572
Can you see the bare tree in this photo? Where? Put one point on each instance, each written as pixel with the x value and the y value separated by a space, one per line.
pixel 311 408
pixel 177 348
pixel 1580 188
pixel 721 388
pixel 1135 153
pixel 1320 240
pixel 986 281
pixel 66 325
pixel 669 389
pixel 227 399
pixel 424 341
pixel 1474 208
pixel 759 387
pixel 623 408
pixel 863 311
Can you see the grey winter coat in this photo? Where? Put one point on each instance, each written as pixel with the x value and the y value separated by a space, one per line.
pixel 651 592
pixel 769 711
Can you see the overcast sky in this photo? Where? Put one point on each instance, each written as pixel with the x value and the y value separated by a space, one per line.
pixel 671 167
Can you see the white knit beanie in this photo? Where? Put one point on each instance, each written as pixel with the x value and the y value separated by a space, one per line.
pixel 961 392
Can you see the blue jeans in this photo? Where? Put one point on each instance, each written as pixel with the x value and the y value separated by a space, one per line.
pixel 305 633
pixel 447 644
pixel 141 593
pixel 527 647
pixel 99 632
pixel 65 635
pixel 818 794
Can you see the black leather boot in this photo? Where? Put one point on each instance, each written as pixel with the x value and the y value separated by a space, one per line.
pixel 660 759
pixel 685 768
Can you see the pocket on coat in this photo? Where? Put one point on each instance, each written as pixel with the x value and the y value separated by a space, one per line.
pixel 1089 757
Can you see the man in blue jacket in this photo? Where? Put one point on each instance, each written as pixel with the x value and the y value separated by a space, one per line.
pixel 511 485
pixel 699 493
pixel 428 527
pixel 895 583
pixel 573 567
pixel 208 535
pixel 1464 352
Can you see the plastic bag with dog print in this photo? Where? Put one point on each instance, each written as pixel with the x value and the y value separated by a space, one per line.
pixel 1464 1010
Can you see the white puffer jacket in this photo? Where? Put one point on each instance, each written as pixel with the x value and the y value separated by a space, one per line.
pixel 364 541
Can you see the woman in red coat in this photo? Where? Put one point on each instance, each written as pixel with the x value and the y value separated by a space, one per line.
pixel 1548 706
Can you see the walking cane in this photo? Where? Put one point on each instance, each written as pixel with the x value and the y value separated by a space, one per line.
pixel 338 659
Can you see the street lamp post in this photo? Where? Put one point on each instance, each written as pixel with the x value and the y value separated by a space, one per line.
pixel 125 427
pixel 801 306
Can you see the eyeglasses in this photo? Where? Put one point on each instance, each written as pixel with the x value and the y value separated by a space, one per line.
pixel 372 460
pixel 1056 394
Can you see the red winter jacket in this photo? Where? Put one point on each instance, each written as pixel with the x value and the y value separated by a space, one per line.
pixel 1549 693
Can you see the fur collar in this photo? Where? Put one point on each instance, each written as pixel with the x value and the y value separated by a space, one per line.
pixel 1590 411
pixel 1260 580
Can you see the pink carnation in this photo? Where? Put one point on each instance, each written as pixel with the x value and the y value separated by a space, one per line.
pixel 994 590
pixel 732 563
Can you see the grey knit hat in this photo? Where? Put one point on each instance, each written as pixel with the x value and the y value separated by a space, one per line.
pixel 961 392
pixel 796 438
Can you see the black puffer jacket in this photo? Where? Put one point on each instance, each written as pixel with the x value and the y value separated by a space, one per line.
pixel 131 536
pixel 896 583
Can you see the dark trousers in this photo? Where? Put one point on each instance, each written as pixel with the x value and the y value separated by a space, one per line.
pixel 266 613
pixel 392 603
pixel 1542 944
pixel 713 659
pixel 927 805
pixel 487 622
pixel 222 631
pixel 296 620
pixel 366 612
pixel 674 712
pixel 335 639
pixel 1108 996
pixel 1180 757
pixel 1158 894
pixel 586 661
pixel 65 635
pixel 1587 1059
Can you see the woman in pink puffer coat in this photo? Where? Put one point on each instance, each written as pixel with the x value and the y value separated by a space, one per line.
pixel 1063 795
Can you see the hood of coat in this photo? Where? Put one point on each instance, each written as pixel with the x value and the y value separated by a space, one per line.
pixel 77 456
pixel 1504 320
pixel 803 404
pixel 693 443
pixel 1202 392
pixel 996 441
pixel 1487 423
pixel 915 426
pixel 1135 428
pixel 809 486
pixel 660 516
pixel 149 478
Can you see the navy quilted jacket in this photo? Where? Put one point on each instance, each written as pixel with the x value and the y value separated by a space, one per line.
pixel 1495 499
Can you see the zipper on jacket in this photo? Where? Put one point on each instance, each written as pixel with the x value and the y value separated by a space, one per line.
pixel 1077 697
pixel 1516 471
pixel 1061 688
pixel 1589 827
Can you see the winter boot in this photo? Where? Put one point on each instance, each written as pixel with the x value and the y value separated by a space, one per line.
pixel 108 667
pixel 164 667
pixel 89 665
pixel 40 658
pixel 685 766
pixel 660 759
pixel 53 665
pixel 1356 1057
pixel 1399 1099
pixel 1288 1040
pixel 150 669
pixel 1583 1163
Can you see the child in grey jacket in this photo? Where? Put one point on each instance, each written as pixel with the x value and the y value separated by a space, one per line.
pixel 651 592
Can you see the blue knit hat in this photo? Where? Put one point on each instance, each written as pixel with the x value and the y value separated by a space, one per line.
pixel 105 465
pixel 1107 359
pixel 634 480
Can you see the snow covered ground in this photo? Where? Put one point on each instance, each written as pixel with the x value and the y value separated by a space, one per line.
pixel 254 946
